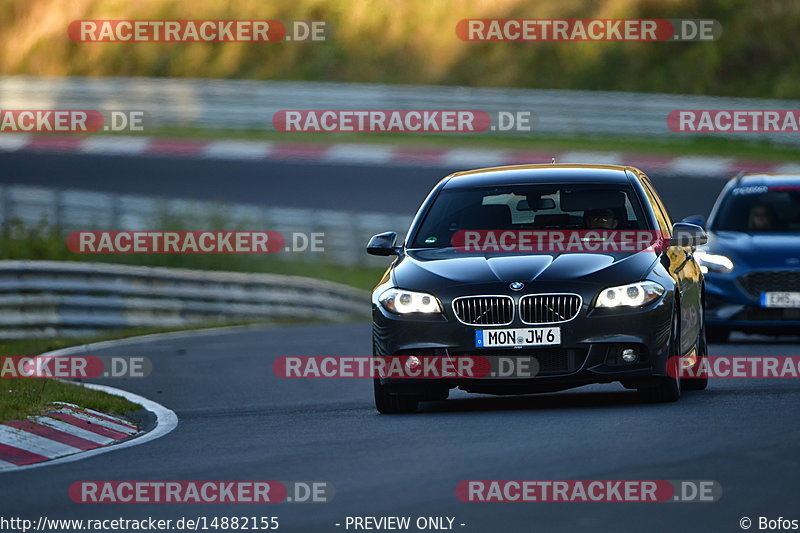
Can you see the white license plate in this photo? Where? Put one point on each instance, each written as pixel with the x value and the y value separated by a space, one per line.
pixel 488 338
pixel 789 300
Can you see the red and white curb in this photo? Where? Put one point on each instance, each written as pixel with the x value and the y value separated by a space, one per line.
pixel 377 154
pixel 79 435
pixel 62 430
pixel 66 432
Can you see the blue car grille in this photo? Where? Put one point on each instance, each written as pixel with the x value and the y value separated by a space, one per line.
pixel 755 283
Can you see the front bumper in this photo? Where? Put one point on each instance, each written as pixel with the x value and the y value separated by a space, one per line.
pixel 589 351
pixel 730 305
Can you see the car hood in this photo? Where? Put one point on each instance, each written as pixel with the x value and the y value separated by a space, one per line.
pixel 757 250
pixel 437 268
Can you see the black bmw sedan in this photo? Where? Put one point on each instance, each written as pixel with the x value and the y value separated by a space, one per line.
pixel 488 272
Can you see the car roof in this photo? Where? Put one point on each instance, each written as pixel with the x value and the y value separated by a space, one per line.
pixel 748 180
pixel 545 173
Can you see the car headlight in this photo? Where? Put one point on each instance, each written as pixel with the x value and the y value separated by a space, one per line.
pixel 403 302
pixel 633 295
pixel 713 262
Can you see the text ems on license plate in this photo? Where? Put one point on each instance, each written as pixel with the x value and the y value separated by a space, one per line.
pixel 780 299
pixel 485 338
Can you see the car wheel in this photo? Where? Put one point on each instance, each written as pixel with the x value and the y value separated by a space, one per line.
pixel 718 335
pixel 666 389
pixel 702 352
pixel 391 404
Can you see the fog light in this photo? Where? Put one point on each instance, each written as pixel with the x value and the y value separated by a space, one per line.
pixel 629 355
pixel 412 363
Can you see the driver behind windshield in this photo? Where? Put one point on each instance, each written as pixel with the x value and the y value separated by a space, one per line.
pixel 761 217
pixel 600 219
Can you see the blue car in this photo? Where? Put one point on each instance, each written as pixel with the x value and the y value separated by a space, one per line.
pixel 752 259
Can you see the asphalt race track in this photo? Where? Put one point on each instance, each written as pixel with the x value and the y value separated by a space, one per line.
pixel 386 188
pixel 240 422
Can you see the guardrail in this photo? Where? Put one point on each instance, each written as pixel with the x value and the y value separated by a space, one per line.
pixel 41 299
pixel 250 105
pixel 345 233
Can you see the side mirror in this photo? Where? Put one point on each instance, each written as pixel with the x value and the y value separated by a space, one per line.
pixel 685 234
pixel 697 220
pixel 383 244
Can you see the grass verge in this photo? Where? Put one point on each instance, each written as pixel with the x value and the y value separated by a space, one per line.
pixel 24 397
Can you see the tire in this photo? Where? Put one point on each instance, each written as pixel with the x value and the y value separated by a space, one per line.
pixel 718 335
pixel 666 389
pixel 702 352
pixel 392 404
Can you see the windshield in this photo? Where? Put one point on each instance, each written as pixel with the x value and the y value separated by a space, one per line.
pixel 760 209
pixel 523 207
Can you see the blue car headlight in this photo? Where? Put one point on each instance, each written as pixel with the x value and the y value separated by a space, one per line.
pixel 713 262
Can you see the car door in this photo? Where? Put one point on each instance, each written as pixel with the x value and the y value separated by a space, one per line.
pixel 684 270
